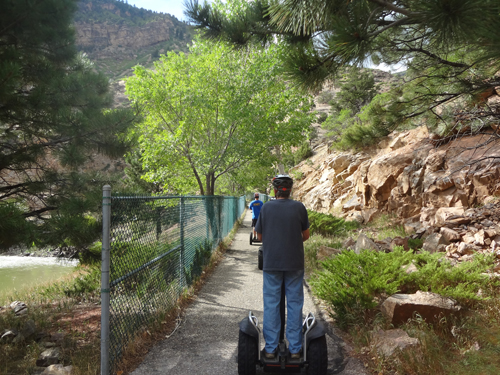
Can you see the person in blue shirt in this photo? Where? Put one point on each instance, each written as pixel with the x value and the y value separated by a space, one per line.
pixel 255 206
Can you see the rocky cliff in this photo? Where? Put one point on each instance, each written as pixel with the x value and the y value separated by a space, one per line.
pixel 116 36
pixel 407 174
pixel 104 39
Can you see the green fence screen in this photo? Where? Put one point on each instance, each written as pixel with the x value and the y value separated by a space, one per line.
pixel 157 247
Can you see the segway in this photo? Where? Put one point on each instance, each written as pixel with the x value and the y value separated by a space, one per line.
pixel 252 241
pixel 314 355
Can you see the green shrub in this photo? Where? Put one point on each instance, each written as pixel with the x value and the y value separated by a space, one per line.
pixel 92 255
pixel 303 152
pixel 297 175
pixel 415 243
pixel 352 283
pixel 86 284
pixel 325 97
pixel 311 247
pixel 329 225
pixel 322 116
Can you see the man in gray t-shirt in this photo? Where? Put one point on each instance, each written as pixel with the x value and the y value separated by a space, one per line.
pixel 283 226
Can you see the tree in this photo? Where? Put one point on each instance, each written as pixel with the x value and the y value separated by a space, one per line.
pixel 53 114
pixel 210 112
pixel 356 89
pixel 450 47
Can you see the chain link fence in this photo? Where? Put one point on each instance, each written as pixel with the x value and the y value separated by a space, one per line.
pixel 153 248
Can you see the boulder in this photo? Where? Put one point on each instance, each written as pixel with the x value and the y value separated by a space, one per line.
pixel 445 213
pixel 364 243
pixel 355 216
pixel 349 243
pixel 465 248
pixel 352 204
pixel 410 268
pixel 479 237
pixel 399 308
pixel 388 342
pixel 368 214
pixel 400 241
pixel 325 252
pixel 383 172
pixel 57 370
pixel 435 161
pixel 20 308
pixel 432 243
pixel 449 234
pixel 428 215
pixel 49 357
pixel 7 336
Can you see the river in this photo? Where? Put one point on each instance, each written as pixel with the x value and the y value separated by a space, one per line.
pixel 18 272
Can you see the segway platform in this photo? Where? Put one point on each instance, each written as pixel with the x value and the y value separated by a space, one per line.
pixel 252 241
pixel 314 355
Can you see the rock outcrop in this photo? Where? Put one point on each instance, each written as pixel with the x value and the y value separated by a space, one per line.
pixel 408 174
pixel 106 38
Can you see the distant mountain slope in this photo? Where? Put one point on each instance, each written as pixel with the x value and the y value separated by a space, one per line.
pixel 117 36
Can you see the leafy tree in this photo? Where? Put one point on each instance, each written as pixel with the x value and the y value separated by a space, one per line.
pixel 211 112
pixel 450 47
pixel 52 116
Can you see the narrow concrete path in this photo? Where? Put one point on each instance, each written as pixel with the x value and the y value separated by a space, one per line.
pixel 206 341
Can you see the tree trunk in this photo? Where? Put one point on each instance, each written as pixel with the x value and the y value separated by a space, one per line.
pixel 213 206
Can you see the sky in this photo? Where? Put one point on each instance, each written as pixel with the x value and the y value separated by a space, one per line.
pixel 173 7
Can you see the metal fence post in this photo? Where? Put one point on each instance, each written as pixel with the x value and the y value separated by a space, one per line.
pixel 182 257
pixel 106 221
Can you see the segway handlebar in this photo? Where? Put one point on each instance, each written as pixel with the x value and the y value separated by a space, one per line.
pixel 255 322
pixel 308 324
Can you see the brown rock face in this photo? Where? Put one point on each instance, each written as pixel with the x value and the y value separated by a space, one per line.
pixel 104 35
pixel 398 308
pixel 408 174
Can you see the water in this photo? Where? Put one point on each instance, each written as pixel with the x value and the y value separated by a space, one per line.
pixel 18 273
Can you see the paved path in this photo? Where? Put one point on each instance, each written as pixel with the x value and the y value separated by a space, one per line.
pixel 206 342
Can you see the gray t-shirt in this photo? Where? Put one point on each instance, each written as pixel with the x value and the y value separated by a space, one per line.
pixel 281 223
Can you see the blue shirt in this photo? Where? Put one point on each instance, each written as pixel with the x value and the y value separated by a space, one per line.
pixel 255 206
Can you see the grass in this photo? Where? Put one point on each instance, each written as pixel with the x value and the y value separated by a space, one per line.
pixel 386 225
pixel 69 306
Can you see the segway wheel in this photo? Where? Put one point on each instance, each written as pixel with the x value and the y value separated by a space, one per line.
pixel 251 238
pixel 317 356
pixel 247 354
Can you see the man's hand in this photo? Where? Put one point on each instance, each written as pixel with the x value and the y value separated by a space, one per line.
pixel 305 235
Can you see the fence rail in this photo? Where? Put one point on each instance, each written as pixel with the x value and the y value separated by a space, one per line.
pixel 152 249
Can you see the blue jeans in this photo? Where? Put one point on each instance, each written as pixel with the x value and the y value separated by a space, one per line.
pixel 294 293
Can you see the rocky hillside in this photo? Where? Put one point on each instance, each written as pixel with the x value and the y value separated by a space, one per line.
pixel 446 190
pixel 117 36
